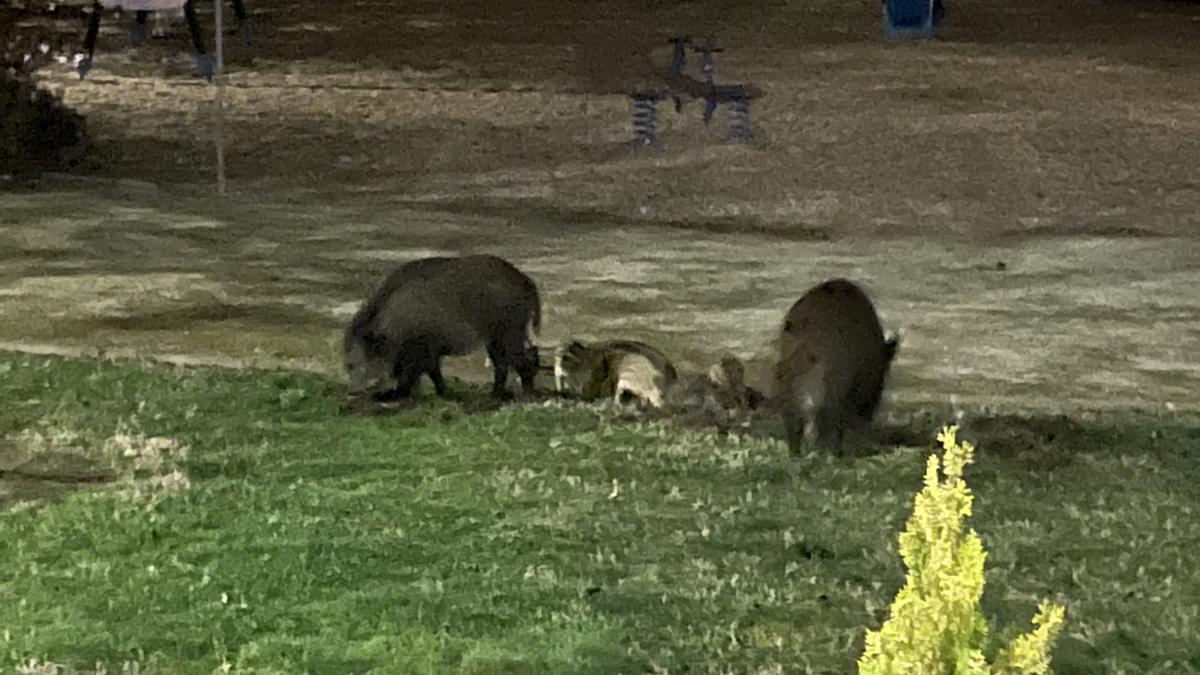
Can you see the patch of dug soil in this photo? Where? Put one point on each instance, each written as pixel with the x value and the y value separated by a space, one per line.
pixel 1014 435
pixel 1042 441
pixel 26 476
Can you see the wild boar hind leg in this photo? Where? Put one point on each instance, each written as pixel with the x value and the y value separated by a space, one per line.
pixel 500 360
pixel 439 382
pixel 527 367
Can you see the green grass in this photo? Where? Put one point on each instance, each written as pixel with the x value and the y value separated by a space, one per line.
pixel 538 539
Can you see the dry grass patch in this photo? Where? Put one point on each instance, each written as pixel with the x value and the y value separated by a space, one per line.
pixel 143 468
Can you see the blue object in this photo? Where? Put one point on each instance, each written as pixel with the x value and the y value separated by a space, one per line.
pixel 84 67
pixel 911 19
pixel 205 66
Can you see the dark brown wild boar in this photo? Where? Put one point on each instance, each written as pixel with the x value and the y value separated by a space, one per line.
pixel 833 360
pixel 434 307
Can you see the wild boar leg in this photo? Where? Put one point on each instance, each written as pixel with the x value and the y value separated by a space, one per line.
pixel 439 382
pixel 526 365
pixel 406 379
pixel 826 430
pixel 794 427
pixel 499 371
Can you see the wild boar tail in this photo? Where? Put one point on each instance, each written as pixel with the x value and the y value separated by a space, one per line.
pixel 535 316
pixel 891 344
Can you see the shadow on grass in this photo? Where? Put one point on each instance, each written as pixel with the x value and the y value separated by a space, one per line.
pixel 183 317
pixel 44 477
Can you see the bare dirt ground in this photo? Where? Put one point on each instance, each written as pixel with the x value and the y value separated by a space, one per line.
pixel 1058 138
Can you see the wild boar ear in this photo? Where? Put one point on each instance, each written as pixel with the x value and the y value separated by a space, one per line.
pixel 362 319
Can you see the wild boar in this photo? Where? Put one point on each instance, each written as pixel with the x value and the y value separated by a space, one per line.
pixel 624 369
pixel 719 398
pixel 639 381
pixel 434 307
pixel 833 360
pixel 728 381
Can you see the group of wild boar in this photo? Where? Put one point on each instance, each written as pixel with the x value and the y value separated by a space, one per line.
pixel 828 379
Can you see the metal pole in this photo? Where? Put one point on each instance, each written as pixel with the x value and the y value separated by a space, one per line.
pixel 220 75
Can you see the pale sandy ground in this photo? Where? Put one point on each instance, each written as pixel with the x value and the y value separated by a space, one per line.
pixel 1071 323
pixel 1059 140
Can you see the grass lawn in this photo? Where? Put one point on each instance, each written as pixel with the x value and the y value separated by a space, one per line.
pixel 156 519
pixel 245 522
